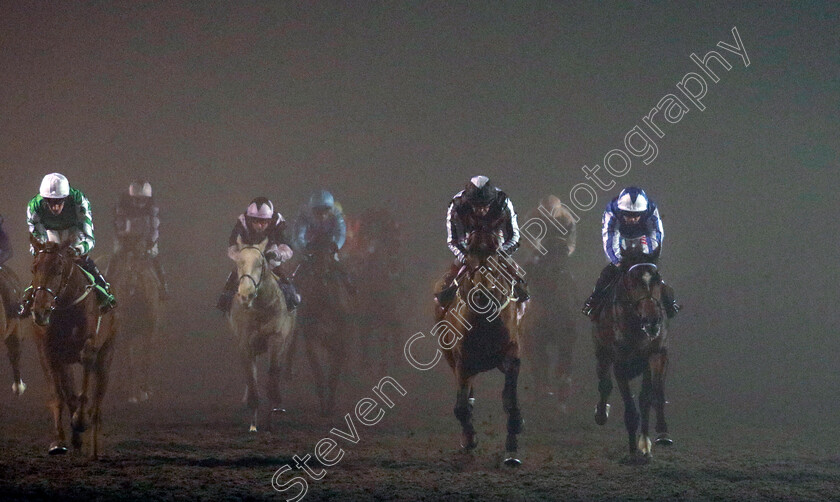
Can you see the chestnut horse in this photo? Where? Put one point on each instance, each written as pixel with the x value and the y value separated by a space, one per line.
pixel 141 315
pixel 11 328
pixel 69 329
pixel 261 323
pixel 480 331
pixel 323 328
pixel 630 336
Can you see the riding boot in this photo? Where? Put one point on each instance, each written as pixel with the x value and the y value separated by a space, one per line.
pixel 668 301
pixel 447 292
pixel 103 289
pixel 594 303
pixel 226 298
pixel 289 290
pixel 158 266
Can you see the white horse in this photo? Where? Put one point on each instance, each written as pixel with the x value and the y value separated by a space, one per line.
pixel 261 323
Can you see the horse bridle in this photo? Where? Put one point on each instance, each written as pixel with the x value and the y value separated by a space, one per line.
pixel 262 268
pixel 649 296
pixel 62 286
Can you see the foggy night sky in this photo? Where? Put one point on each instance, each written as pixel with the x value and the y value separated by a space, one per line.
pixel 400 103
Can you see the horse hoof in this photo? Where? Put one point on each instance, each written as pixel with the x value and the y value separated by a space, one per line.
pixel 133 400
pixel 471 401
pixel 602 413
pixel 511 460
pixel 664 439
pixel 144 396
pixel 57 449
pixel 18 388
pixel 468 442
pixel 253 428
pixel 278 410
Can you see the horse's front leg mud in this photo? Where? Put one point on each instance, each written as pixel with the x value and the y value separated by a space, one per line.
pixel 510 402
pixel 464 413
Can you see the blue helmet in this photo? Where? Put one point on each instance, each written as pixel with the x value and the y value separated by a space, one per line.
pixel 321 198
pixel 632 200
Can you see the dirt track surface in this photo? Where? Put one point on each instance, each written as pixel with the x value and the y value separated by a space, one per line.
pixel 198 449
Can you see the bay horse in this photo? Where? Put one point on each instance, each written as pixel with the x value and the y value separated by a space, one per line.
pixel 481 330
pixel 324 325
pixel 552 317
pixel 141 314
pixel 11 328
pixel 630 336
pixel 69 329
pixel 261 323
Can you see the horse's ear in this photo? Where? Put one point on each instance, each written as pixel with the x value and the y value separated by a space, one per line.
pixel 239 242
pixel 262 245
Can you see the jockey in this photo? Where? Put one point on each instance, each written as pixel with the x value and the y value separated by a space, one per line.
pixel 59 213
pixel 479 201
pixel 136 224
pixel 259 222
pixel 321 225
pixel 5 245
pixel 631 215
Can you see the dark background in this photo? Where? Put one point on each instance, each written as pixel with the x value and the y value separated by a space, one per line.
pixel 398 104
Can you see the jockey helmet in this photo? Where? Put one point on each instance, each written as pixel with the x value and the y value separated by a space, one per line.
pixel 140 188
pixel 321 199
pixel 480 191
pixel 632 201
pixel 260 208
pixel 54 186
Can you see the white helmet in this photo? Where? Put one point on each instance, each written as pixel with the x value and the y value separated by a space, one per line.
pixel 633 200
pixel 140 188
pixel 260 208
pixel 54 186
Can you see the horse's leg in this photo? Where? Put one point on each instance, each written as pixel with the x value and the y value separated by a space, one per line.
pixel 565 346
pixel 133 393
pixel 605 384
pixel 317 374
pixel 510 402
pixel 273 381
pixel 102 368
pixel 463 411
pixel 252 397
pixel 78 419
pixel 13 350
pixel 56 405
pixel 644 410
pixel 337 362
pixel 659 367
pixel 631 414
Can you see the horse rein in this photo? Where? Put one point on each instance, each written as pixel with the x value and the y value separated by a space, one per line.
pixel 262 268
pixel 62 286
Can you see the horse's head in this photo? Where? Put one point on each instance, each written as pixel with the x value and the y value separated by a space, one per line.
pixel 251 269
pixel 643 290
pixel 51 269
pixel 483 241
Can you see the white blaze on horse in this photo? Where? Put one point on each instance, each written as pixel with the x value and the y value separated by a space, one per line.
pixel 261 323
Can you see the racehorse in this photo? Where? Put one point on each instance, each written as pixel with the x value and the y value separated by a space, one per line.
pixel 373 256
pixel 141 314
pixel 323 326
pixel 551 322
pixel 69 329
pixel 481 330
pixel 261 323
pixel 630 336
pixel 11 328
